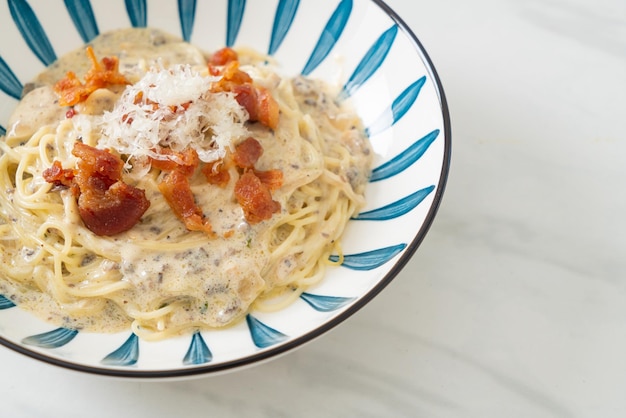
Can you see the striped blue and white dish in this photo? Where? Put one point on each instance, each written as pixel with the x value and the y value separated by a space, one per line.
pixel 384 71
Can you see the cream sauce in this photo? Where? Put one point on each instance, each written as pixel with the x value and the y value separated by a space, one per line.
pixel 214 280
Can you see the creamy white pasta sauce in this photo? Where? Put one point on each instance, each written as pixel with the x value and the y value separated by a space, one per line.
pixel 158 273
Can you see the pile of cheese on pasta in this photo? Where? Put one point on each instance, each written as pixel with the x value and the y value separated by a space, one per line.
pixel 150 185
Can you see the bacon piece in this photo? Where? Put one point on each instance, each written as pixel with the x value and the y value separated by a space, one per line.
pixel 58 175
pixel 101 74
pixel 176 189
pixel 106 204
pixel 247 153
pixel 71 90
pixel 217 173
pixel 95 162
pixel 223 56
pixel 258 101
pixel 253 188
pixel 246 96
pixel 230 74
pixel 255 198
pixel 186 161
pixel 273 179
pixel 115 210
pixel 267 110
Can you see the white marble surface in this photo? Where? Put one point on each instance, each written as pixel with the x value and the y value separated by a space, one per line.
pixel 514 305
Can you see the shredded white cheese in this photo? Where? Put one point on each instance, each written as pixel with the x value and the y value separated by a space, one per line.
pixel 174 108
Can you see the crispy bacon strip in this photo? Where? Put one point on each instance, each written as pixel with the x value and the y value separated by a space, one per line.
pixel 253 188
pixel 102 74
pixel 255 198
pixel 58 175
pixel 259 104
pixel 106 204
pixel 176 189
pixel 96 163
pixel 247 153
pixel 186 161
pixel 115 210
pixel 223 56
pixel 267 111
pixel 217 173
pixel 273 179
pixel 257 100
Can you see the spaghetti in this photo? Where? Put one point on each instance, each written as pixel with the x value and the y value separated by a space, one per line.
pixel 160 276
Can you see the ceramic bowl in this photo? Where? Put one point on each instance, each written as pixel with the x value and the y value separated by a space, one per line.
pixel 384 71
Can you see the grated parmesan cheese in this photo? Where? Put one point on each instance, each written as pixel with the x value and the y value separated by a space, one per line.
pixel 174 108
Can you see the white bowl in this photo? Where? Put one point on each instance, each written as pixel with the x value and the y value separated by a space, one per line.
pixel 384 70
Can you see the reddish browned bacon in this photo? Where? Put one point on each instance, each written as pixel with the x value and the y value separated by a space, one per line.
pixel 255 198
pixel 106 204
pixel 176 189
pixel 223 56
pixel 257 100
pixel 217 173
pixel 259 104
pixel 102 74
pixel 185 161
pixel 96 163
pixel 115 210
pixel 246 156
pixel 253 188
pixel 247 153
pixel 58 175
pixel 273 179
pixel 267 110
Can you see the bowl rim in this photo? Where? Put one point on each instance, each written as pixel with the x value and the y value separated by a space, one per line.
pixel 299 341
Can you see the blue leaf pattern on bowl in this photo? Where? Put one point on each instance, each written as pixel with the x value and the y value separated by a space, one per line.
pixel 9 83
pixel 235 16
pixel 330 35
pixel 198 352
pixel 82 15
pixel 323 303
pixel 397 208
pixel 398 108
pixel 187 15
pixel 2 130
pixel 126 355
pixel 263 336
pixel 137 12
pixel 51 339
pixel 31 30
pixel 285 13
pixel 405 159
pixel 369 260
pixel 370 62
pixel 6 303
